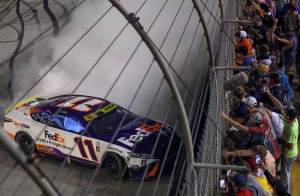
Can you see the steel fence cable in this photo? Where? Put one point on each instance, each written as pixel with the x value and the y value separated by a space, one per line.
pixel 8 173
pixel 38 37
pixel 181 37
pixel 22 97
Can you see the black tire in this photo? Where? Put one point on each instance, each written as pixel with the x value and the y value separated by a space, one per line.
pixel 26 142
pixel 114 165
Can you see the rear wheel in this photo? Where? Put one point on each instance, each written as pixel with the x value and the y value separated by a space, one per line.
pixel 26 142
pixel 114 164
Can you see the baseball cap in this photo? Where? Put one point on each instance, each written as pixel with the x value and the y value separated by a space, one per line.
pixel 252 164
pixel 238 179
pixel 281 187
pixel 275 78
pixel 241 34
pixel 256 117
pixel 290 29
pixel 290 111
pixel 273 67
pixel 251 101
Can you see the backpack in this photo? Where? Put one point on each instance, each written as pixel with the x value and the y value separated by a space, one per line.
pixel 254 140
pixel 261 139
pixel 286 101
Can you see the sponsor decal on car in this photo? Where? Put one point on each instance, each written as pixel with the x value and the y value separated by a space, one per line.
pixel 135 167
pixel 142 131
pixel 55 137
pixel 41 147
pixel 21 125
pixel 104 110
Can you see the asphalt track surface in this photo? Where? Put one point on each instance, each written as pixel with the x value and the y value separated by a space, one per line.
pixel 72 180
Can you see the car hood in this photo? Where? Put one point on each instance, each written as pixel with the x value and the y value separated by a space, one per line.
pixel 141 134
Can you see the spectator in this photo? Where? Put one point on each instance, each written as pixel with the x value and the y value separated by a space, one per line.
pixel 261 126
pixel 287 5
pixel 289 51
pixel 276 120
pixel 272 6
pixel 261 31
pixel 292 19
pixel 280 188
pixel 243 41
pixel 264 62
pixel 289 139
pixel 238 183
pixel 274 68
pixel 250 103
pixel 265 156
pixel 260 177
pixel 240 111
pixel 276 89
pixel 251 182
pixel 239 141
pixel 253 90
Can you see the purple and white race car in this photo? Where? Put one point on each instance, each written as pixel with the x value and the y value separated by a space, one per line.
pixel 92 131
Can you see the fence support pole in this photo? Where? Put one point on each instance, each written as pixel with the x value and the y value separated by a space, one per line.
pixel 134 21
pixel 206 33
pixel 14 150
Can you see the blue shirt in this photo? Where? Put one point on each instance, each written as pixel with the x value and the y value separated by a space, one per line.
pixel 247 60
pixel 241 110
pixel 286 83
pixel 257 93
pixel 286 7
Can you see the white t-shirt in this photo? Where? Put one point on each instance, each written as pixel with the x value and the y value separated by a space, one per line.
pixel 277 124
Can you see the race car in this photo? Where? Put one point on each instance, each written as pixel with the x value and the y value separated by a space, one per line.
pixel 92 131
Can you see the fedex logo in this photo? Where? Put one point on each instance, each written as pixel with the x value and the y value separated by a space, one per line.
pixel 55 137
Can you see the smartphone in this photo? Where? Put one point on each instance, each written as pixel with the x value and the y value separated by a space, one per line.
pixel 257 159
pixel 222 183
pixel 228 172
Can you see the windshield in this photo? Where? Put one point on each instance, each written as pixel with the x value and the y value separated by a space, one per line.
pixel 110 121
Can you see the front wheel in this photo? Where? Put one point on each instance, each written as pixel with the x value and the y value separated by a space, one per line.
pixel 114 164
pixel 26 142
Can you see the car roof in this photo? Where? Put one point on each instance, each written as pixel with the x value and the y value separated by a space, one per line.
pixel 74 105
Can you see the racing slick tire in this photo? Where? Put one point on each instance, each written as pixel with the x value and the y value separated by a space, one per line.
pixel 26 142
pixel 114 165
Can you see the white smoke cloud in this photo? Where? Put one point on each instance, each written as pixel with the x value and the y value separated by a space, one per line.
pixel 74 66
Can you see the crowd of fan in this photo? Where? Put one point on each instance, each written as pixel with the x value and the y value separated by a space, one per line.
pixel 264 128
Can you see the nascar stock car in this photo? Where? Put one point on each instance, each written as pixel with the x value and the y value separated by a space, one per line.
pixel 91 131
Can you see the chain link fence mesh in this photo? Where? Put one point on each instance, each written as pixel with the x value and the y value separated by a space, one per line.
pixel 209 150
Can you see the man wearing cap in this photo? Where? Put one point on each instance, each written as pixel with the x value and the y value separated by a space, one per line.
pixel 292 18
pixel 274 68
pixel 277 90
pixel 261 125
pixel 260 177
pixel 280 188
pixel 243 41
pixel 238 182
pixel 252 183
pixel 289 51
pixel 289 139
pixel 287 5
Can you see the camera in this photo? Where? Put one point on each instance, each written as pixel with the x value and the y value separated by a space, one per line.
pixel 222 183
pixel 257 159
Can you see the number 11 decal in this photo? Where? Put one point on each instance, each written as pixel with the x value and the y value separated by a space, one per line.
pixel 81 146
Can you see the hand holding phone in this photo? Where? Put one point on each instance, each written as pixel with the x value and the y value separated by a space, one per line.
pixel 257 159
pixel 222 183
